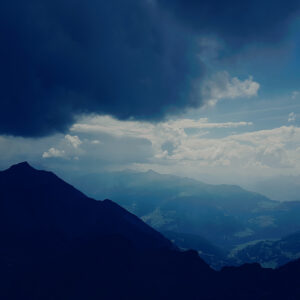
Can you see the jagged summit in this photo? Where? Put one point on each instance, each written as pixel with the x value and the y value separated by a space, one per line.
pixel 39 199
pixel 23 173
pixel 21 166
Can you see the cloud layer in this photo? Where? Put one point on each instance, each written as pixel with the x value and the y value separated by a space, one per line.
pixel 130 59
pixel 186 147
pixel 172 144
pixel 222 86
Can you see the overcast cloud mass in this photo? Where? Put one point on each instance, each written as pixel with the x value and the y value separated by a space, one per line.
pixel 130 59
pixel 204 89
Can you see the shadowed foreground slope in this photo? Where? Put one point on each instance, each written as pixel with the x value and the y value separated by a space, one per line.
pixel 56 243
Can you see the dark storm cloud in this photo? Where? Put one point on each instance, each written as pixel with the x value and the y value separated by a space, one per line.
pixel 133 58
pixel 235 21
pixel 61 58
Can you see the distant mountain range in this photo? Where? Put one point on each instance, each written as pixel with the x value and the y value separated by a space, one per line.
pixel 268 253
pixel 283 188
pixel 227 217
pixel 56 243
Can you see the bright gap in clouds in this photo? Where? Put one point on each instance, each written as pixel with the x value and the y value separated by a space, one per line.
pixel 233 151
pixel 183 147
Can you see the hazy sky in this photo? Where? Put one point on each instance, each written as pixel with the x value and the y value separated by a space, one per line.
pixel 205 89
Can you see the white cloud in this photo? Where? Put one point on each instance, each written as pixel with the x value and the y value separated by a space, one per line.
pixel 109 125
pixel 171 132
pixel 292 117
pixel 73 140
pixel 186 147
pixel 271 149
pixel 172 145
pixel 95 142
pixel 53 152
pixel 204 124
pixel 222 86
pixel 64 146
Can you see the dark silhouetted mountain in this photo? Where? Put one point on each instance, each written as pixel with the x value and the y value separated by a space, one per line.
pixel 42 203
pixel 58 244
pixel 216 257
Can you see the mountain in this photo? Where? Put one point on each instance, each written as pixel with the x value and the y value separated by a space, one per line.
pixel 56 244
pixel 43 203
pixel 268 253
pixel 226 215
pixel 215 256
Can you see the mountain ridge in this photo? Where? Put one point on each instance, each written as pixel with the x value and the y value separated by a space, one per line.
pixel 62 201
pixel 56 249
pixel 228 216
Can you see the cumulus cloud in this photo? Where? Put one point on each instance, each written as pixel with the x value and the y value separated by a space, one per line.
pixel 188 147
pixel 175 148
pixel 292 117
pixel 222 86
pixel 52 152
pixel 165 137
pixel 73 140
pixel 130 59
pixel 67 147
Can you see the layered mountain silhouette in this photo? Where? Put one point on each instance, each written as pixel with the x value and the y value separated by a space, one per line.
pixel 56 243
pixel 216 220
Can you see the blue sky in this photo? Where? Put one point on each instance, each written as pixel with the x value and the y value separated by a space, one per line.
pixel 200 89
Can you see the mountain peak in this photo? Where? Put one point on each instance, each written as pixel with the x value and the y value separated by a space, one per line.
pixel 40 199
pixel 22 166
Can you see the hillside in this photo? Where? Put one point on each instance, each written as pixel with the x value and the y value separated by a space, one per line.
pixel 59 244
pixel 225 215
